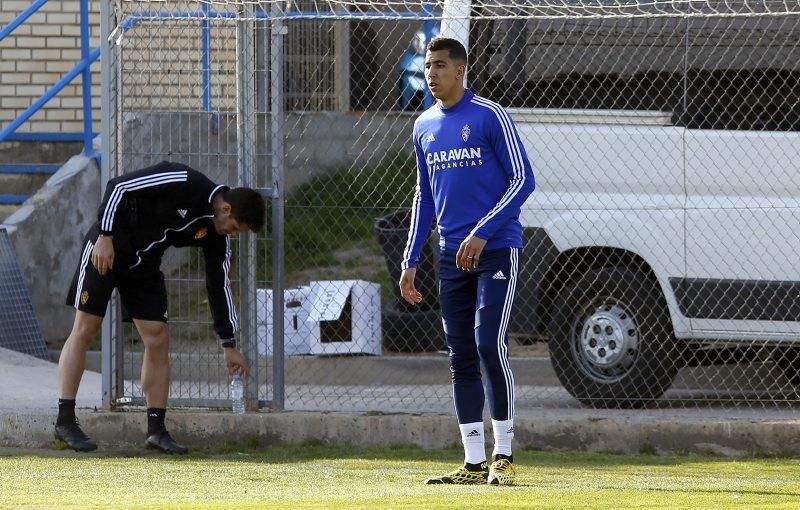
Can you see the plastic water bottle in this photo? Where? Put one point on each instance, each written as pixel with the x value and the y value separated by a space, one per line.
pixel 237 395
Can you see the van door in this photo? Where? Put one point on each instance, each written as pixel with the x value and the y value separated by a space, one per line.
pixel 743 234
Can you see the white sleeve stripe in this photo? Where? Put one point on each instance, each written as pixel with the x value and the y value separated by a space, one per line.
pixel 508 130
pixel 226 265
pixel 138 183
pixel 414 228
pixel 108 221
pixel 505 200
pixel 512 146
pixel 516 160
pixel 214 191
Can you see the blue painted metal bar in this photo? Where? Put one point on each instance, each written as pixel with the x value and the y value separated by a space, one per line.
pixel 13 199
pixel 206 58
pixel 20 19
pixel 336 15
pixel 29 168
pixel 51 92
pixel 46 137
pixel 88 146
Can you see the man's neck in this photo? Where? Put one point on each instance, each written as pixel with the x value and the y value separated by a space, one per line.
pixel 451 101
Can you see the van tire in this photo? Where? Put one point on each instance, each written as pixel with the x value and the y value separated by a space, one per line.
pixel 611 340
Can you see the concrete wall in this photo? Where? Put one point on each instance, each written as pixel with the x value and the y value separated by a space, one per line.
pixel 47 234
pixel 314 142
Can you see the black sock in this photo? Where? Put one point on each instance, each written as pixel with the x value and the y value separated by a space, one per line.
pixel 66 412
pixel 155 420
pixel 480 466
pixel 499 456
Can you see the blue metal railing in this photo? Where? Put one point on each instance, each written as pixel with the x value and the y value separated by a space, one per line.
pixel 83 67
pixel 205 15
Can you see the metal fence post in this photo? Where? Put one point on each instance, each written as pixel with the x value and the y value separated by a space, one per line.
pixel 86 78
pixel 279 30
pixel 245 136
pixel 107 75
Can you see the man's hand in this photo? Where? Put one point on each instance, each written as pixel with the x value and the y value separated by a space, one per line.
pixel 103 254
pixel 235 362
pixel 469 253
pixel 407 289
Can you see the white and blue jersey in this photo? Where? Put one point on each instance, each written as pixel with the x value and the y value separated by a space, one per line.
pixel 472 172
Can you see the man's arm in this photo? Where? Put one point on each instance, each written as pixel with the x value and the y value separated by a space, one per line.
pixel 513 158
pixel 218 286
pixel 422 212
pixel 217 254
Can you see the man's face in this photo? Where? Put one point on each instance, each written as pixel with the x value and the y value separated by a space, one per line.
pixel 225 223
pixel 443 74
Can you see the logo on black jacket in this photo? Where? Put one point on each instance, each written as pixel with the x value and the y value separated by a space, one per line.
pixel 201 233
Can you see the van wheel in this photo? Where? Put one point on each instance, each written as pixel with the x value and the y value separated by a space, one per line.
pixel 611 339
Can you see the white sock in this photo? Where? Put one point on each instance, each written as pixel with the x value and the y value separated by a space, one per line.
pixel 472 438
pixel 503 434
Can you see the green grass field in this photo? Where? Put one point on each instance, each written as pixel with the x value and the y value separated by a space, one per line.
pixel 324 477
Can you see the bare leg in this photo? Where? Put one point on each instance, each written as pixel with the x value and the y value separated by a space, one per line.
pixel 155 365
pixel 72 361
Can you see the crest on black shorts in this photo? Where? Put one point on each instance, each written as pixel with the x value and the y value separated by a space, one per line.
pixel 465 132
pixel 84 297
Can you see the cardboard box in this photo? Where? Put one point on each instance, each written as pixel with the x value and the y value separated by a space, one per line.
pixel 348 316
pixel 299 333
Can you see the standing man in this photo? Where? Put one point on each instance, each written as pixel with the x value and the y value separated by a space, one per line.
pixel 142 214
pixel 474 175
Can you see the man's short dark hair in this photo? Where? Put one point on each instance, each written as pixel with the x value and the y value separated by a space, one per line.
pixel 456 49
pixel 247 206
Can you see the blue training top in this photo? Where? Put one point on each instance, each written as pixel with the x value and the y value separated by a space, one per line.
pixel 473 172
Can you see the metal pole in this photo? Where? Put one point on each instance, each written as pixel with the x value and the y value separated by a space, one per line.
pixel 88 146
pixel 245 135
pixel 107 116
pixel 276 132
pixel 206 57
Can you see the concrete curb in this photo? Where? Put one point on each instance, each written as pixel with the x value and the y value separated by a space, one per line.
pixel 623 432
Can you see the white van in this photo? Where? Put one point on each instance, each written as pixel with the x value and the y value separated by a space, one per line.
pixel 648 242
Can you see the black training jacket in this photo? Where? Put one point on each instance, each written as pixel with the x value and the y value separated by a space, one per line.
pixel 169 204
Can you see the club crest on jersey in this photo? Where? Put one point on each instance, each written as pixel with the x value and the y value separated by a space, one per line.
pixel 465 132
pixel 84 297
pixel 201 233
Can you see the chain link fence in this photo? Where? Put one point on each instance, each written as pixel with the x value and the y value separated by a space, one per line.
pixel 659 266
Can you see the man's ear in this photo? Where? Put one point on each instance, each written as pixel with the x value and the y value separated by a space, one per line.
pixel 226 208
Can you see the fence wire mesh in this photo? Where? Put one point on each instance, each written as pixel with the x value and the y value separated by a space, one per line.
pixel 660 244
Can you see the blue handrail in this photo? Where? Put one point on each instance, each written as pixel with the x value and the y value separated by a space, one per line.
pixel 89 57
pixel 83 66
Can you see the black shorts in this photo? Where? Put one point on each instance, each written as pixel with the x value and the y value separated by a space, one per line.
pixel 141 290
